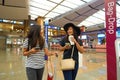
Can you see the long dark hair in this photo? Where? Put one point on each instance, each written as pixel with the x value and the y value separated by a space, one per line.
pixel 34 37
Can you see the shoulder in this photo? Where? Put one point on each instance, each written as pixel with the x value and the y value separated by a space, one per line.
pixel 25 44
pixel 65 38
pixel 62 41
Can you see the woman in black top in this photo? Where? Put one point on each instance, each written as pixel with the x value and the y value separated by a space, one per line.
pixel 66 46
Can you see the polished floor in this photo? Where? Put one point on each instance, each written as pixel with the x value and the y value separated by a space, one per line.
pixel 92 66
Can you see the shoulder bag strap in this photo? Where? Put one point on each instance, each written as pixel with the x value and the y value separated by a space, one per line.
pixel 72 51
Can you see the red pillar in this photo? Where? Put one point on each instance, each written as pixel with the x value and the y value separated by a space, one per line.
pixel 110 14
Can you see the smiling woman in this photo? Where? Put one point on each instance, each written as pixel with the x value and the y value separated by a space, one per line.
pixel 71 52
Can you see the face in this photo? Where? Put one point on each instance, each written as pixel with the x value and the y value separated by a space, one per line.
pixel 70 31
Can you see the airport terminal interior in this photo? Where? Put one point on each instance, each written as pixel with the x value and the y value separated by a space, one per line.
pixel 16 17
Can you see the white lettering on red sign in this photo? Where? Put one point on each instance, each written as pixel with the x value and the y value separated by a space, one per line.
pixel 111 19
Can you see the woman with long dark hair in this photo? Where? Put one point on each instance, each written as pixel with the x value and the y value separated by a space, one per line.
pixel 66 45
pixel 35 48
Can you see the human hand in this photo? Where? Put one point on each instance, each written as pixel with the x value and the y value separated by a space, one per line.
pixel 51 53
pixel 71 39
pixel 67 46
pixel 34 50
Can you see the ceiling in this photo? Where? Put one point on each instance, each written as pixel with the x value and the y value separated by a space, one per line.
pixel 58 12
pixel 79 12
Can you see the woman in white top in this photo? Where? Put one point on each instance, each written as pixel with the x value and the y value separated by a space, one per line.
pixel 35 48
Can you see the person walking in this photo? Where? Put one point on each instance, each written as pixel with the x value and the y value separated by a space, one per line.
pixel 66 46
pixel 35 48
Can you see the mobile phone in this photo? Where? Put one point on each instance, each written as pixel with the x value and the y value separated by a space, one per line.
pixel 68 44
pixel 37 48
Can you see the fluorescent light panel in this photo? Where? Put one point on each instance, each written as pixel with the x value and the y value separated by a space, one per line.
pixel 76 2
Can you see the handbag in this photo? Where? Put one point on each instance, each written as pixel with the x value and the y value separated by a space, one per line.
pixel 68 64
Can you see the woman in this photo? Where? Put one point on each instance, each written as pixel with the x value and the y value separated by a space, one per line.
pixel 71 29
pixel 35 48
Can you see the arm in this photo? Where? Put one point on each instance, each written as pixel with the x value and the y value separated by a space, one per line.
pixel 47 52
pixel 26 53
pixel 31 51
pixel 79 47
pixel 25 50
pixel 62 48
pixel 63 45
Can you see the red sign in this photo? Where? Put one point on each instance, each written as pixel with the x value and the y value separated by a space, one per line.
pixel 110 14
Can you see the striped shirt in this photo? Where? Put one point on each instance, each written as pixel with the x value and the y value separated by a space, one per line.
pixel 36 60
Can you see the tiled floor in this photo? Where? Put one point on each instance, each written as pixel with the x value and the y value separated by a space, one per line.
pixel 93 66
